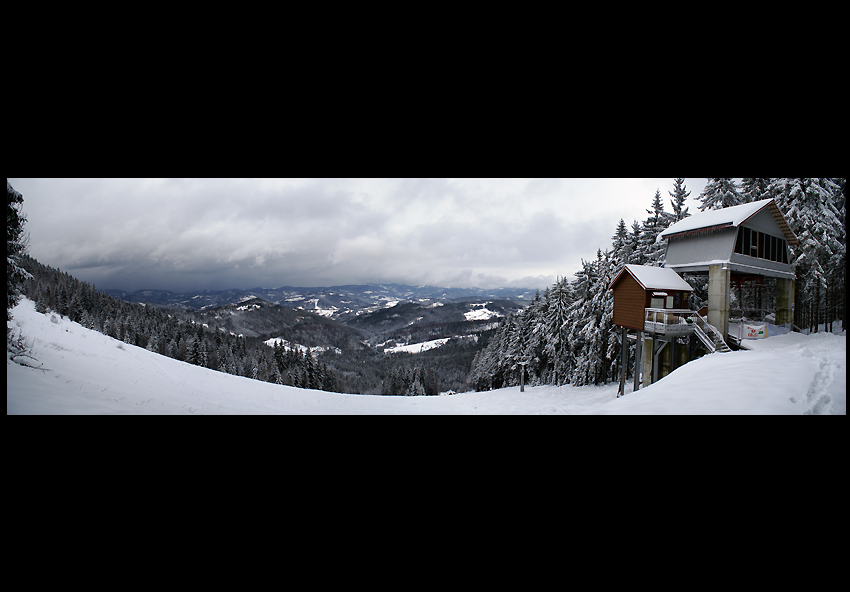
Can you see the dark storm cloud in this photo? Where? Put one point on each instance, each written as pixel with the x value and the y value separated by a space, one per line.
pixel 182 234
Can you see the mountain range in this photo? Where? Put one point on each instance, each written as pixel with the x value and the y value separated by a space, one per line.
pixel 340 303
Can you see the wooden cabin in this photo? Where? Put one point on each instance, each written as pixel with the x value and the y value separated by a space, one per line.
pixel 638 287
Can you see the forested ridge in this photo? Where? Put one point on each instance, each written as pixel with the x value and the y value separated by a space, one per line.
pixel 171 332
pixel 566 335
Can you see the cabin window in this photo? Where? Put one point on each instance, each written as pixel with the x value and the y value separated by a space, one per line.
pixel 657 302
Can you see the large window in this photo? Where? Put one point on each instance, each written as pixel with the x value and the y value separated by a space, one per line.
pixel 761 245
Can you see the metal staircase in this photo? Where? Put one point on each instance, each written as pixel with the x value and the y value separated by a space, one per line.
pixel 709 335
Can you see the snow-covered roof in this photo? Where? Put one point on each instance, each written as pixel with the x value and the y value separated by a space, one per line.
pixel 654 278
pixel 730 217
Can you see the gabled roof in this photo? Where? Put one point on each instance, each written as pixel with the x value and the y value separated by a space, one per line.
pixel 729 218
pixel 654 278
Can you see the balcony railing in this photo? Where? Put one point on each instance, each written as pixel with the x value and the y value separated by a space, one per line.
pixel 678 321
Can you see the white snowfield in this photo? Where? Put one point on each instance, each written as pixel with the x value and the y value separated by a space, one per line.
pixel 415 348
pixel 85 372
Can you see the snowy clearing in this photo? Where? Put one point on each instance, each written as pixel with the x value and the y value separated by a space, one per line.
pixel 481 314
pixel 85 372
pixel 415 348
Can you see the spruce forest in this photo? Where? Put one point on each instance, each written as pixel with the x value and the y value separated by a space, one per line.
pixel 565 335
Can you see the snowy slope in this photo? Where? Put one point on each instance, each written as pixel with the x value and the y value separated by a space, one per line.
pixel 85 372
pixel 785 374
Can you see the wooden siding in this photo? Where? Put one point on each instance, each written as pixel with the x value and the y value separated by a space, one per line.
pixel 630 300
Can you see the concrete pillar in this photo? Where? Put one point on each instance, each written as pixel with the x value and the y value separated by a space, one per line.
pixel 682 355
pixel 718 299
pixel 784 301
pixel 665 362
pixel 624 355
pixel 638 360
pixel 648 354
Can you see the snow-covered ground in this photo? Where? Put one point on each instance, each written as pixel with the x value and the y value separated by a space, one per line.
pixel 301 348
pixel 415 348
pixel 85 372
pixel 480 314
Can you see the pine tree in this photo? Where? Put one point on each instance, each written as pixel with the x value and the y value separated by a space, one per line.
pixel 415 388
pixel 557 329
pixel 636 257
pixel 195 353
pixel 621 252
pixel 591 323
pixel 811 207
pixel 755 189
pixel 652 250
pixel 720 193
pixel 16 246
pixel 679 195
pixel 276 377
pixel 41 304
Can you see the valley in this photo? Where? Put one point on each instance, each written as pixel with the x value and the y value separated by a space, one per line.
pixel 366 334
pixel 438 337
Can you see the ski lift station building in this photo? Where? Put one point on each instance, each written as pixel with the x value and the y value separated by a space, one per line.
pixel 734 244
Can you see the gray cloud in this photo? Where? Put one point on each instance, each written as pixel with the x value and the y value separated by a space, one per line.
pixel 182 234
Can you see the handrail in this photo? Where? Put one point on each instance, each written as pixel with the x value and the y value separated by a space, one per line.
pixel 667 316
pixel 706 340
pixel 702 320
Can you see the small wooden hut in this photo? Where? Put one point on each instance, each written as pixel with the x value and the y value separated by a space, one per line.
pixel 638 287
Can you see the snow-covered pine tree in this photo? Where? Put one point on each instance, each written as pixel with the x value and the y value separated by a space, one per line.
pixel 534 352
pixel 620 241
pixel 557 329
pixel 16 245
pixel 583 323
pixel 415 388
pixel 636 256
pixel 720 193
pixel 679 195
pixel 652 250
pixel 620 256
pixel 753 189
pixel 276 377
pixel 811 207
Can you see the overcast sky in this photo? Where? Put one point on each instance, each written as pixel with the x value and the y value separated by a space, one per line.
pixel 192 234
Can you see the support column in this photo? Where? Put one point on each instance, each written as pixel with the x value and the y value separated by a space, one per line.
pixel 784 301
pixel 624 350
pixel 648 354
pixel 657 350
pixel 718 298
pixel 638 360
